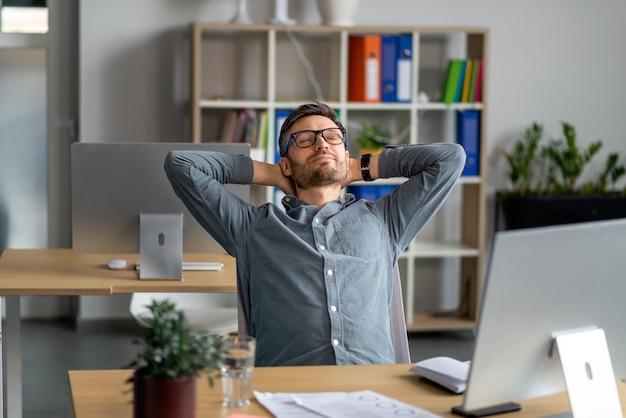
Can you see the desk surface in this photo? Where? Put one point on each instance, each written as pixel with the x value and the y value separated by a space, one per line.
pixel 104 393
pixel 64 272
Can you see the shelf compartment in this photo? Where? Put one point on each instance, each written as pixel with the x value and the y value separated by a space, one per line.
pixel 313 55
pixel 439 321
pixel 234 66
pixel 394 122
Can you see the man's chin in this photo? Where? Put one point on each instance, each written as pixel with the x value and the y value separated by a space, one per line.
pixel 321 180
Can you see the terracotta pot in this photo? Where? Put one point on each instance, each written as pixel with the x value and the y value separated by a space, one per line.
pixel 164 398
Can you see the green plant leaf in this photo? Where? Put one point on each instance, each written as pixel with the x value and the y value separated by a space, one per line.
pixel 170 349
pixel 557 167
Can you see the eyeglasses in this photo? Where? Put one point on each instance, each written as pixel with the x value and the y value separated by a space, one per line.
pixel 308 138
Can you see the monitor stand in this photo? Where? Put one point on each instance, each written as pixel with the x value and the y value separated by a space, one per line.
pixel 161 246
pixel 588 375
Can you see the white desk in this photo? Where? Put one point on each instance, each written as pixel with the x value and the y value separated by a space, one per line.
pixel 62 272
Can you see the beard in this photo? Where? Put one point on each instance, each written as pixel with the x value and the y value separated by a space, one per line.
pixel 307 177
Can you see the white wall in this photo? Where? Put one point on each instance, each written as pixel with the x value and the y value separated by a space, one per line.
pixel 549 61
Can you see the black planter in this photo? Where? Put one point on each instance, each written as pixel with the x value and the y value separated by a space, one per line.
pixel 534 211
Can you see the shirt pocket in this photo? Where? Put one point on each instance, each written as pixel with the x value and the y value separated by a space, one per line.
pixel 362 238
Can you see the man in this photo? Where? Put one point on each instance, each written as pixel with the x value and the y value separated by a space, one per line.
pixel 316 277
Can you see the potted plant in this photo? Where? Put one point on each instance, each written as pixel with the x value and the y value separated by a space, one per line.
pixel 171 358
pixel 372 139
pixel 546 187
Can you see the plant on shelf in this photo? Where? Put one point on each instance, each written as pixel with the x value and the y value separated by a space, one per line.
pixel 171 358
pixel 546 186
pixel 372 139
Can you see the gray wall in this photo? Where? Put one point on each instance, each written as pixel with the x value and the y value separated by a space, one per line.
pixel 549 61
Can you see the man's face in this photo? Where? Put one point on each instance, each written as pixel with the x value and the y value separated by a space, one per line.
pixel 322 164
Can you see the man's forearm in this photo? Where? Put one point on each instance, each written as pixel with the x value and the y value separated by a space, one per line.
pixel 271 175
pixel 266 174
pixel 356 174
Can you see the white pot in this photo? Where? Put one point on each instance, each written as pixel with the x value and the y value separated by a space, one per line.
pixel 338 12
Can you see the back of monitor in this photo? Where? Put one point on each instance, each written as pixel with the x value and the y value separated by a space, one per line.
pixel 113 183
pixel 543 281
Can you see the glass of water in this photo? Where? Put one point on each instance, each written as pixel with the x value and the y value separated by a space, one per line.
pixel 237 364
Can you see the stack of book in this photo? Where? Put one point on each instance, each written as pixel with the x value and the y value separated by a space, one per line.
pixel 379 68
pixel 245 125
pixel 463 81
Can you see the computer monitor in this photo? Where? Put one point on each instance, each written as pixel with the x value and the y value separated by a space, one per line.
pixel 113 183
pixel 543 281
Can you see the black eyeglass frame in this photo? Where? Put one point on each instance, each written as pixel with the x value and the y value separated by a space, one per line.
pixel 292 137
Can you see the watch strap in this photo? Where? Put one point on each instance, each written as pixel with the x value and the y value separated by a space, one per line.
pixel 365 167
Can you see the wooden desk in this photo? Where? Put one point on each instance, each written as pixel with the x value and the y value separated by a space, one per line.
pixel 104 393
pixel 63 272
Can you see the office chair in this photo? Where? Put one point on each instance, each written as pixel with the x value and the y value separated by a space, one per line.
pixel 397 329
pixel 210 312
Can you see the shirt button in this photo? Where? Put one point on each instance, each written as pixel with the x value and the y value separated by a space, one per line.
pixel 333 308
pixel 335 342
pixel 322 247
pixel 329 272
pixel 317 221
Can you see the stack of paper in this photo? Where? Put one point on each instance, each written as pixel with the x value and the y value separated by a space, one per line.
pixel 445 371
pixel 362 404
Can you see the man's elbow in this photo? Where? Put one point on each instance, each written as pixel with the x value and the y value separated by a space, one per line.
pixel 174 161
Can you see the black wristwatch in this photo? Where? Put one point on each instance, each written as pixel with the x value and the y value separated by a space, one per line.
pixel 365 167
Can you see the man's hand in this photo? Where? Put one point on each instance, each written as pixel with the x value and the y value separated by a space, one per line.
pixel 271 175
pixel 287 185
pixel 353 173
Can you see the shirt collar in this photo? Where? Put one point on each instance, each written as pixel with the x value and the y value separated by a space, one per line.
pixel 292 202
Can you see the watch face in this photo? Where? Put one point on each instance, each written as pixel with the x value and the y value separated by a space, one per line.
pixel 365 167
pixel 365 161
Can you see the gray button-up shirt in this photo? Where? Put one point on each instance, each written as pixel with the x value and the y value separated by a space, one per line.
pixel 316 284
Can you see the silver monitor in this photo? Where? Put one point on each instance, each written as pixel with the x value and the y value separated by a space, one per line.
pixel 542 281
pixel 112 183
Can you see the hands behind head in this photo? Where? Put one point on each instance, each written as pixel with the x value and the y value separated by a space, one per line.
pixel 287 185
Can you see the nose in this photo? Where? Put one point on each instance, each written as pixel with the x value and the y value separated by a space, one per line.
pixel 320 141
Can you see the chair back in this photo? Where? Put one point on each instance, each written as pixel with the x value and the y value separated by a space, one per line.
pixel 211 312
pixel 399 336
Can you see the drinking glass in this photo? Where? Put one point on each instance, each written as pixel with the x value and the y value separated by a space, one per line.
pixel 237 364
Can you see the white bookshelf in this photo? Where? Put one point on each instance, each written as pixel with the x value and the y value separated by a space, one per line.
pixel 256 66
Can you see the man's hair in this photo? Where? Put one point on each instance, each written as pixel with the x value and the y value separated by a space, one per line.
pixel 309 109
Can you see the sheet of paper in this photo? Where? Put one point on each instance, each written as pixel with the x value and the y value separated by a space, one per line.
pixel 362 404
pixel 284 405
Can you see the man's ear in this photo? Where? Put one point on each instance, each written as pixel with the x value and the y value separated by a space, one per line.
pixel 285 166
